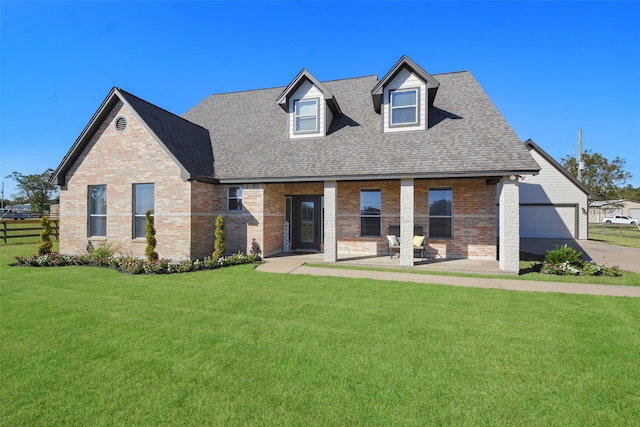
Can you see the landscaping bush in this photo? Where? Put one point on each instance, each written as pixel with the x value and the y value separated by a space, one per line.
pixel 566 261
pixel 103 256
pixel 45 237
pixel 219 244
pixel 150 249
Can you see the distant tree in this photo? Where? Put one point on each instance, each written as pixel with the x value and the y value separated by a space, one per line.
pixel 34 189
pixel 603 177
pixel 631 193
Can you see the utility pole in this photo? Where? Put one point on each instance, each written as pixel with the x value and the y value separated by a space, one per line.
pixel 580 160
pixel 2 200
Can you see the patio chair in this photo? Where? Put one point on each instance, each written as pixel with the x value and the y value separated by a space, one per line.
pixel 394 246
pixel 419 244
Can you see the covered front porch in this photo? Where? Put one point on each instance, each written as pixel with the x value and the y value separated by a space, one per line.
pixel 509 217
pixel 287 263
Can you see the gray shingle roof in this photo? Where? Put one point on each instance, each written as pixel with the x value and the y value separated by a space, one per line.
pixel 467 136
pixel 188 143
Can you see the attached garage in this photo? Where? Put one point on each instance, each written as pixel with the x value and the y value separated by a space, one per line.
pixel 544 222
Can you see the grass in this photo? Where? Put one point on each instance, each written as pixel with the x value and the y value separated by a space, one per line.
pixel 90 346
pixel 625 235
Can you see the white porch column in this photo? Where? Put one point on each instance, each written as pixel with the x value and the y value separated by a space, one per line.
pixel 510 224
pixel 330 209
pixel 406 222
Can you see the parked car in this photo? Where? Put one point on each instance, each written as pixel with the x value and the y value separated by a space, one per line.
pixel 620 219
pixel 14 214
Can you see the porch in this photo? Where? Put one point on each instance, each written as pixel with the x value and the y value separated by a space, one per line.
pixel 286 263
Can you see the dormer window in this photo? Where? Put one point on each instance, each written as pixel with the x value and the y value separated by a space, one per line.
pixel 404 107
pixel 306 115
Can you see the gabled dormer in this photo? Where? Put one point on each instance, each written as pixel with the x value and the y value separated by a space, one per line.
pixel 310 106
pixel 403 97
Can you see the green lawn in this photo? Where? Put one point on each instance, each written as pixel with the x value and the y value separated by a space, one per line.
pixel 90 346
pixel 626 235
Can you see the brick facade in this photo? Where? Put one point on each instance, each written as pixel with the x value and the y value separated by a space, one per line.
pixel 262 218
pixel 183 210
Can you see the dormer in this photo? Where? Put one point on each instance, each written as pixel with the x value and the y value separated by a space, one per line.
pixel 403 97
pixel 310 106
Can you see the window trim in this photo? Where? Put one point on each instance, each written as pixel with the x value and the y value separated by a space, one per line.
pixel 238 199
pixel 440 216
pixel 416 106
pixel 379 216
pixel 94 215
pixel 142 215
pixel 296 116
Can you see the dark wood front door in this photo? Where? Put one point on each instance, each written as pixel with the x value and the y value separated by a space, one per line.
pixel 307 222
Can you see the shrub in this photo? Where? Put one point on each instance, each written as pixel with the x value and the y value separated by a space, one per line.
pixel 563 254
pixel 219 245
pixel 150 250
pixel 45 237
pixel 102 254
pixel 132 265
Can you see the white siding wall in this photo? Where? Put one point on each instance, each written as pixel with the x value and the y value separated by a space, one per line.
pixel 550 186
pixel 405 80
pixel 309 91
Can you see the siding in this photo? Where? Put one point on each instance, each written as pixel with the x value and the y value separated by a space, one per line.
pixel 308 91
pixel 405 80
pixel 551 187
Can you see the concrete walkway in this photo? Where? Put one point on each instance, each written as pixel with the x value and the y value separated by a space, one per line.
pixel 294 264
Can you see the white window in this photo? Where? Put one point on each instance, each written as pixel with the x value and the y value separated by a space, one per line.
pixel 97 211
pixel 306 112
pixel 142 202
pixel 235 198
pixel 404 107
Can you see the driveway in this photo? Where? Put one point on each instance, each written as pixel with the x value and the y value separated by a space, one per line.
pixel 602 253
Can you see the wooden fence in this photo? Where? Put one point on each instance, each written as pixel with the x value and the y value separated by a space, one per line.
pixel 11 229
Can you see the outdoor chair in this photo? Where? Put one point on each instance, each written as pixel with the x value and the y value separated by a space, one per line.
pixel 394 246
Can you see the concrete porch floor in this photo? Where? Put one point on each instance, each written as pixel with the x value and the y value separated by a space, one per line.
pixel 480 266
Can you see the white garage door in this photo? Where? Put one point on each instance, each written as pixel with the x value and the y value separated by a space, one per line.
pixel 634 213
pixel 548 222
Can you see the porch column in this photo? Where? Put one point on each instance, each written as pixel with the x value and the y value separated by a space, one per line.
pixel 406 222
pixel 509 224
pixel 330 209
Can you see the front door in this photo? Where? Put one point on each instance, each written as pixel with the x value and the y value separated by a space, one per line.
pixel 307 222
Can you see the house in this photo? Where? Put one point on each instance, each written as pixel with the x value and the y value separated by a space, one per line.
pixel 600 209
pixel 314 166
pixel 553 203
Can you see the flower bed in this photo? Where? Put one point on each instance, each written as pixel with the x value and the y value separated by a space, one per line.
pixel 135 265
pixel 566 261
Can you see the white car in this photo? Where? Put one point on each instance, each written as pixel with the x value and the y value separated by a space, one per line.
pixel 620 219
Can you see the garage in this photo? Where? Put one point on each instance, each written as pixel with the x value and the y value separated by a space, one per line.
pixel 550 221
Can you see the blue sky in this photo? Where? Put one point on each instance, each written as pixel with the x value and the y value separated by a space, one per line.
pixel 551 68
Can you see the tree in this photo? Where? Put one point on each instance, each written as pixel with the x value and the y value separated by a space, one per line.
pixel 603 177
pixel 150 250
pixel 631 193
pixel 35 189
pixel 219 244
pixel 45 237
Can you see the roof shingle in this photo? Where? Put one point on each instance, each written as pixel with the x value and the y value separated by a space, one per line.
pixel 467 136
